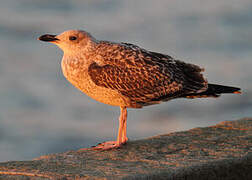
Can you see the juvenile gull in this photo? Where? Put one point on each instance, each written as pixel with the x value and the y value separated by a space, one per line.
pixel 125 75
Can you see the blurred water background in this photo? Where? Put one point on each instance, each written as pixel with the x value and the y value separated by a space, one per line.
pixel 41 113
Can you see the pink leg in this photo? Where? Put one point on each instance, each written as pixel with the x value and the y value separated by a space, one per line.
pixel 121 137
pixel 124 128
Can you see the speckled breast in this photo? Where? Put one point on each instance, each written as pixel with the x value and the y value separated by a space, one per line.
pixel 76 72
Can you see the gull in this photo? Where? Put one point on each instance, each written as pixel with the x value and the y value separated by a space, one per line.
pixel 128 76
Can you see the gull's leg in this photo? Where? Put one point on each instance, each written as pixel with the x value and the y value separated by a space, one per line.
pixel 121 123
pixel 121 136
pixel 124 128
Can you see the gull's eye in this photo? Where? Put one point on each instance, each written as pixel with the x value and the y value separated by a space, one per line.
pixel 72 38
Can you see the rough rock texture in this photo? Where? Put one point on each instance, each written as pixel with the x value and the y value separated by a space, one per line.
pixel 223 151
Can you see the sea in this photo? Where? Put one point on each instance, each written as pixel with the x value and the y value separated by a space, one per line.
pixel 42 113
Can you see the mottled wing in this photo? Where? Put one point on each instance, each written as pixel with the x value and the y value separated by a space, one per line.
pixel 146 77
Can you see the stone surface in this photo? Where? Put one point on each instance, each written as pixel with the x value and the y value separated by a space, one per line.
pixel 223 151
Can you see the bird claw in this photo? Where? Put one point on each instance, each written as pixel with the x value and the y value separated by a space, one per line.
pixel 105 146
pixel 108 145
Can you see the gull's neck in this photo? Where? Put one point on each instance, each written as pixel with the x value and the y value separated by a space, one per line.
pixel 83 55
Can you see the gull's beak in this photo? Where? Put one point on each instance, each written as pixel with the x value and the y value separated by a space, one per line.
pixel 48 38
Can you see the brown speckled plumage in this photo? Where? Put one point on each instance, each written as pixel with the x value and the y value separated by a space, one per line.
pixel 143 76
pixel 125 75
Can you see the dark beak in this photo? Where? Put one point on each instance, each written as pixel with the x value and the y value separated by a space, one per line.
pixel 48 38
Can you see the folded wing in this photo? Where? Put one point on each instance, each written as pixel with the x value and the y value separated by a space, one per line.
pixel 147 77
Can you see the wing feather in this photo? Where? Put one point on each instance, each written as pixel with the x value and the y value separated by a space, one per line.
pixel 146 77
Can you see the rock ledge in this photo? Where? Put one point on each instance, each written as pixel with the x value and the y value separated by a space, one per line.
pixel 223 151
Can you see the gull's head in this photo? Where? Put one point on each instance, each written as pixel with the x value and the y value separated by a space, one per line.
pixel 70 41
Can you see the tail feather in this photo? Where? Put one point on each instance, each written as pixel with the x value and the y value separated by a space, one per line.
pixel 214 90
